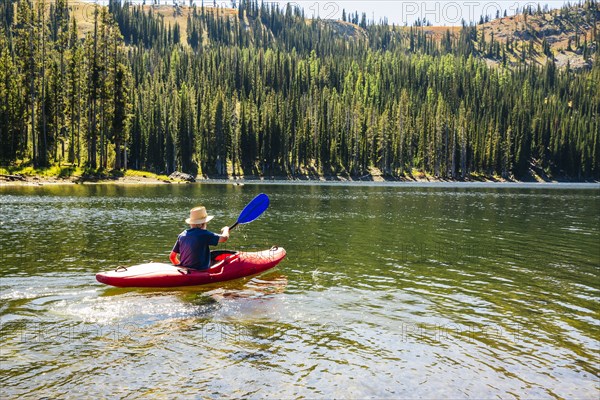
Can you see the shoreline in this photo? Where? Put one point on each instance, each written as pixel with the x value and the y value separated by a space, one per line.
pixel 38 181
pixel 54 181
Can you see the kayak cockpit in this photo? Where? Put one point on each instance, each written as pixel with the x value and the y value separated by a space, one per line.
pixel 217 256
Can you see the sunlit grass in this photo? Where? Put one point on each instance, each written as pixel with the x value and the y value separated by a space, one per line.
pixel 55 171
pixel 144 174
pixel 72 171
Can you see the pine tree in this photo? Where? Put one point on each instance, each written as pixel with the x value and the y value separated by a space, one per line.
pixel 263 91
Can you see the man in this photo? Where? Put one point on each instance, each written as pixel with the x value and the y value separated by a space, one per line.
pixel 192 244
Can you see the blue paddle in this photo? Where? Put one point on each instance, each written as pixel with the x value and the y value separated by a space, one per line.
pixel 253 210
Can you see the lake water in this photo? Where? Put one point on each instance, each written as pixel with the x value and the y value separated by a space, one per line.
pixel 390 291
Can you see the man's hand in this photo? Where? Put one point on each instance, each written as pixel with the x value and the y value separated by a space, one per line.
pixel 224 234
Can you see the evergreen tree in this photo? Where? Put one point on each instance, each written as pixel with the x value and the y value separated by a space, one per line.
pixel 261 90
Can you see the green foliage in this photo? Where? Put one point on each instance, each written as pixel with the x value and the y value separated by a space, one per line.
pixel 263 91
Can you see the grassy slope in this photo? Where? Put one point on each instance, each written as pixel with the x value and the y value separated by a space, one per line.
pixel 518 29
pixel 73 172
pixel 555 29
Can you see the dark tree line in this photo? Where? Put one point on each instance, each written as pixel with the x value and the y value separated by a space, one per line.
pixel 64 98
pixel 265 91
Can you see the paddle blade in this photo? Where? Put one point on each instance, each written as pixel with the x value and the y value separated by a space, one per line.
pixel 254 209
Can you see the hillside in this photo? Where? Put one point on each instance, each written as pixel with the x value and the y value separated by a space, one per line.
pixel 263 91
pixel 567 35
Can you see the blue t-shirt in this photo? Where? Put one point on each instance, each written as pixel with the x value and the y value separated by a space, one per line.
pixel 192 246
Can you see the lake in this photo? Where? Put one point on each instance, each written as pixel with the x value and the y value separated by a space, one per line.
pixel 388 291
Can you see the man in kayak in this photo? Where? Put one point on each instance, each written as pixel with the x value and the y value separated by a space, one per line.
pixel 192 244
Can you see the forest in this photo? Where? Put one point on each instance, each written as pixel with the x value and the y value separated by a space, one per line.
pixel 264 91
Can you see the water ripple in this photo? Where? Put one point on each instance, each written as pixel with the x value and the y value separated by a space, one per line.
pixel 387 292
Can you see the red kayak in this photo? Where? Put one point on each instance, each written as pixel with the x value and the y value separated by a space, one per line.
pixel 226 265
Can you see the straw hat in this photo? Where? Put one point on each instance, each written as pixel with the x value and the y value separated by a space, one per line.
pixel 198 216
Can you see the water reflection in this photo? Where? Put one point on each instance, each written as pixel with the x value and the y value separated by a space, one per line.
pixel 386 292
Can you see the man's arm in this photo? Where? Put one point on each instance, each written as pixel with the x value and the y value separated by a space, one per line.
pixel 224 234
pixel 173 258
